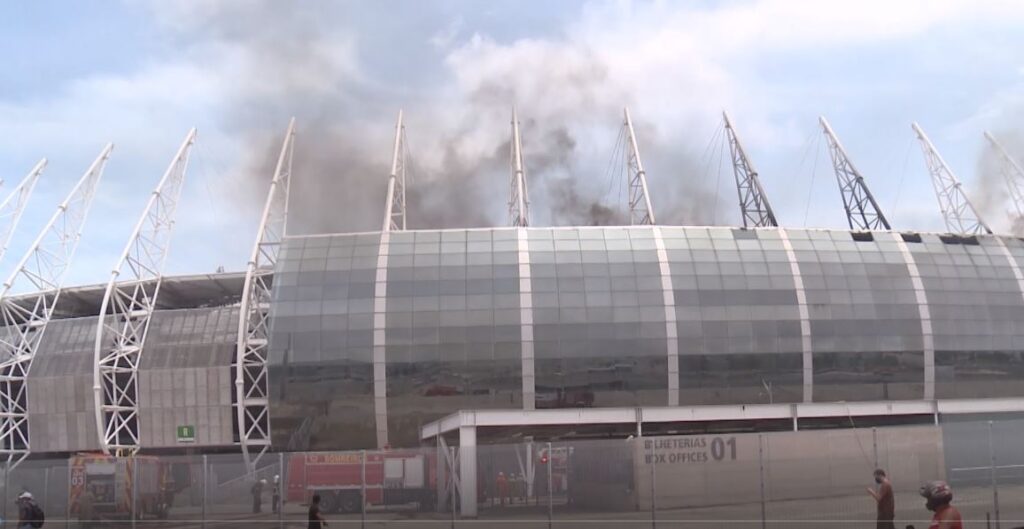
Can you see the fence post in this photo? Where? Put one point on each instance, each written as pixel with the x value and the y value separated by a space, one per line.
pixel 995 484
pixel 654 488
pixel 551 494
pixel 452 476
pixel 7 474
pixel 362 493
pixel 135 489
pixel 874 444
pixel 281 475
pixel 760 463
pixel 67 509
pixel 206 487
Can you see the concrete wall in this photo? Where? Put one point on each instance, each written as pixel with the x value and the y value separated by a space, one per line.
pixel 727 469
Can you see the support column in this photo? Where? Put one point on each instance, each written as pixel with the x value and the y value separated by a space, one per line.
pixel 671 331
pixel 380 382
pixel 927 339
pixel 467 471
pixel 526 320
pixel 805 318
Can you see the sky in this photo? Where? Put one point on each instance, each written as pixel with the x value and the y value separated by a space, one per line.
pixel 141 73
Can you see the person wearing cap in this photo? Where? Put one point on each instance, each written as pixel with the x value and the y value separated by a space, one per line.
pixel 938 496
pixel 27 510
pixel 885 501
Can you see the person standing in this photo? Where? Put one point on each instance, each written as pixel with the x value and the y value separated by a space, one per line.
pixel 275 497
pixel 938 496
pixel 885 500
pixel 316 520
pixel 29 512
pixel 257 496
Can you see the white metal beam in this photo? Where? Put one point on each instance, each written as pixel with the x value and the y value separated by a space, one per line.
pixel 754 206
pixel 1012 173
pixel 640 210
pixel 862 211
pixel 394 212
pixel 127 308
pixel 41 269
pixel 251 388
pixel 14 205
pixel 518 201
pixel 957 210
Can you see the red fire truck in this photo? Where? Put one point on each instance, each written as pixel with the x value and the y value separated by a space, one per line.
pixel 111 481
pixel 391 478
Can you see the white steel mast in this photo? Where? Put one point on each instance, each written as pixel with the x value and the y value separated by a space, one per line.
pixel 127 309
pixel 1012 172
pixel 14 205
pixel 754 205
pixel 862 211
pixel 251 387
pixel 640 210
pixel 957 210
pixel 43 268
pixel 518 201
pixel 394 209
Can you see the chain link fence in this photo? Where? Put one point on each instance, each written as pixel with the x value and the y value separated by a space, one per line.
pixel 812 478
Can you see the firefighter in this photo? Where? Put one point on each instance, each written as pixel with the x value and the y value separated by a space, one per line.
pixel 257 496
pixel 275 498
pixel 86 508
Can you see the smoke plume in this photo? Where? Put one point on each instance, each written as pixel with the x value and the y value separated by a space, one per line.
pixel 282 59
pixel 993 198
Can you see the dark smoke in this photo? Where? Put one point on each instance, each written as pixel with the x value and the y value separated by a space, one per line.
pixel 299 59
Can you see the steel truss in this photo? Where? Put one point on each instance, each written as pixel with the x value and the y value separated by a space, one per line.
pixel 43 269
pixel 394 212
pixel 518 198
pixel 957 210
pixel 862 211
pixel 14 205
pixel 756 211
pixel 126 311
pixel 1012 172
pixel 251 387
pixel 640 210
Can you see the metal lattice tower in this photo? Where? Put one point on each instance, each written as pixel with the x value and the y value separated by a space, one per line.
pixel 251 387
pixel 957 210
pixel 127 308
pixel 394 213
pixel 756 211
pixel 862 211
pixel 640 211
pixel 43 269
pixel 1012 172
pixel 14 205
pixel 518 198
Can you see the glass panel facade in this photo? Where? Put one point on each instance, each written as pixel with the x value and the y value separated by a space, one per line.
pixel 976 310
pixel 449 313
pixel 736 316
pixel 321 358
pixel 865 325
pixel 599 318
pixel 453 327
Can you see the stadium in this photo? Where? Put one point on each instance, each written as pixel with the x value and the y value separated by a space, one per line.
pixel 400 338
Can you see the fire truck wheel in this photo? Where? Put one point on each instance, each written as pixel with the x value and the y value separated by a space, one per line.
pixel 348 501
pixel 328 502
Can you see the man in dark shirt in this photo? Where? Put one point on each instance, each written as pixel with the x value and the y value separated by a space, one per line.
pixel 885 499
pixel 316 520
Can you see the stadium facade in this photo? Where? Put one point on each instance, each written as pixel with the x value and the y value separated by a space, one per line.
pixel 396 337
